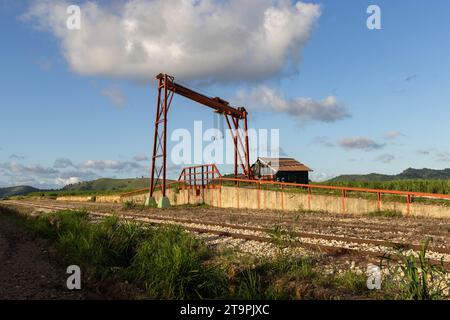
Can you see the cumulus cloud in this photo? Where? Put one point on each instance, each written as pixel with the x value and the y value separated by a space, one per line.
pixel 114 95
pixel 141 157
pixel 443 156
pixel 360 143
pixel 63 182
pixel 39 170
pixel 16 157
pixel 385 158
pixel 391 135
pixel 62 163
pixel 109 165
pixel 424 152
pixel 323 141
pixel 206 40
pixel 304 109
pixel 74 176
pixel 64 171
pixel 320 176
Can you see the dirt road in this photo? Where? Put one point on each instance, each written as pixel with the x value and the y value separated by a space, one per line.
pixel 27 270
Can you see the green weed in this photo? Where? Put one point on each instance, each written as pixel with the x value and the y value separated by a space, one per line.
pixel 419 278
pixel 385 213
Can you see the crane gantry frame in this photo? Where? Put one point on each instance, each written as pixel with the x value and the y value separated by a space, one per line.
pixel 167 87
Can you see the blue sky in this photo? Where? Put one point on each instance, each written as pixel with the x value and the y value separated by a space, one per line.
pixel 392 83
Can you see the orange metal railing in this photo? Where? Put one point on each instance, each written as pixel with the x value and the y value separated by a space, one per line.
pixel 203 176
pixel 208 176
pixel 379 192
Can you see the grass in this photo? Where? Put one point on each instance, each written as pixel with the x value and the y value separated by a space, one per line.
pixel 427 186
pixel 269 279
pixel 128 205
pixel 282 237
pixel 419 278
pixel 168 263
pixel 387 213
pixel 353 282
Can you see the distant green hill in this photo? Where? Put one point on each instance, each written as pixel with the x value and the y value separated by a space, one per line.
pixel 16 191
pixel 408 174
pixel 106 184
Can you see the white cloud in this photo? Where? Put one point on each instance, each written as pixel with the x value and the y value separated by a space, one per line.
pixel 207 40
pixel 443 156
pixel 64 171
pixel 16 157
pixel 62 163
pixel 320 176
pixel 385 158
pixel 304 109
pixel 108 165
pixel 140 157
pixel 62 182
pixel 360 143
pixel 323 141
pixel 114 95
pixel 424 152
pixel 15 167
pixel 391 135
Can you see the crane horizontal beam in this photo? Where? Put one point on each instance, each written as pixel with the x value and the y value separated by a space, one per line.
pixel 216 103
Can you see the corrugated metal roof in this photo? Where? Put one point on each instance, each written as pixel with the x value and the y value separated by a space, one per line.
pixel 284 164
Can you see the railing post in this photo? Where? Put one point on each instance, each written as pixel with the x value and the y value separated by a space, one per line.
pixel 195 179
pixel 379 201
pixel 203 176
pixel 259 194
pixel 408 204
pixel 237 192
pixel 309 198
pixel 344 207
pixel 190 178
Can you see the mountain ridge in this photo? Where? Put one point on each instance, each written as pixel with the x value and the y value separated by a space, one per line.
pixel 407 174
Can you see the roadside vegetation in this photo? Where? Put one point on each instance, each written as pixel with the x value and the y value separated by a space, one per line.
pixel 169 263
pixel 413 277
pixel 387 213
pixel 427 186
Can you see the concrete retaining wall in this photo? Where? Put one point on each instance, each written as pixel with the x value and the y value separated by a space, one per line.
pixel 233 197
pixel 76 198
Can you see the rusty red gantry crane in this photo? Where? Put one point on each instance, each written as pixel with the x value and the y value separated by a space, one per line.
pixel 167 87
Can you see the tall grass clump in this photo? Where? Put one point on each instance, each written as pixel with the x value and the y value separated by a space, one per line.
pixel 415 185
pixel 52 225
pixel 270 279
pixel 167 262
pixel 105 246
pixel 128 205
pixel 419 278
pixel 170 264
pixel 387 213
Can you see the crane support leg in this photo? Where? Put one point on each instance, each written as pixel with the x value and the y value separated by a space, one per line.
pixel 159 158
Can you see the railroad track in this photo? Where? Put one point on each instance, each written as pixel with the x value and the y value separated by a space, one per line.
pixel 396 234
pixel 335 245
pixel 334 224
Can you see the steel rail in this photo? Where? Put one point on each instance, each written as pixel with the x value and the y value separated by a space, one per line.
pixel 326 248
